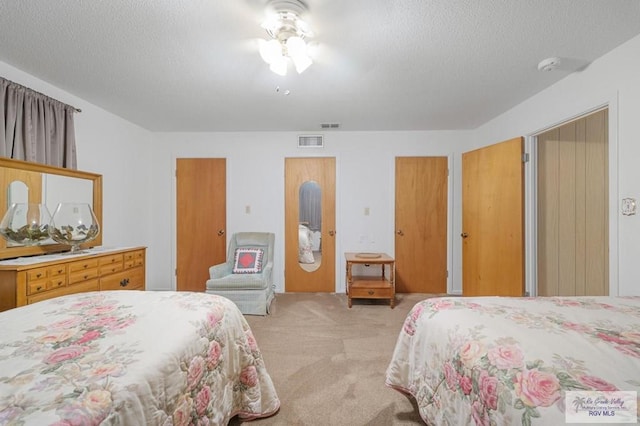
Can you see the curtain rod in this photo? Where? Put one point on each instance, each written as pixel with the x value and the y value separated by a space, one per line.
pixel 41 94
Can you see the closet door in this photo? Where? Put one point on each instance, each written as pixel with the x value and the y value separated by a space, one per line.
pixel 573 222
pixel 200 219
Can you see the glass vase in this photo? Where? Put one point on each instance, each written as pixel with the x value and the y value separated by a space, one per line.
pixel 25 224
pixel 74 224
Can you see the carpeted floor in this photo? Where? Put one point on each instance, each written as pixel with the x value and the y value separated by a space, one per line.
pixel 328 362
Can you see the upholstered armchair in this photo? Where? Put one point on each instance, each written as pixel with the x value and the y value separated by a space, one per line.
pixel 247 276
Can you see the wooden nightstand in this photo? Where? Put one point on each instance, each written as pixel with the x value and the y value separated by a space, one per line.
pixel 371 287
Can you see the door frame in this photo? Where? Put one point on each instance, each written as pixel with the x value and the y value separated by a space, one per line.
pixel 531 202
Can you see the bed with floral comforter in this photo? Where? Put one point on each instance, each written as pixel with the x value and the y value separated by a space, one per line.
pixel 504 361
pixel 131 358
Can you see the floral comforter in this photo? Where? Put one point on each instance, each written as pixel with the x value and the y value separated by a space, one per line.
pixel 131 358
pixel 504 361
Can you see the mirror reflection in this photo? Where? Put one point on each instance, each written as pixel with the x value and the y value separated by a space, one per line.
pixel 18 193
pixel 54 190
pixel 310 226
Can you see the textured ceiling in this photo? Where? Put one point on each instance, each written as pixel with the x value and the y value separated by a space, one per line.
pixel 172 65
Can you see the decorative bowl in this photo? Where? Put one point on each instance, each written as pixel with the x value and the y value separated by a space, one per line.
pixel 25 224
pixel 74 224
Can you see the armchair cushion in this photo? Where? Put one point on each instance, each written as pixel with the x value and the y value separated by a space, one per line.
pixel 247 260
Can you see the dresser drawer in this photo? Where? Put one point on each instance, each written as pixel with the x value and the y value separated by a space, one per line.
pixel 133 259
pixel 78 288
pixel 84 275
pixel 37 274
pixel 46 278
pixel 34 287
pixel 110 260
pixel 83 265
pixel 128 280
pixel 111 268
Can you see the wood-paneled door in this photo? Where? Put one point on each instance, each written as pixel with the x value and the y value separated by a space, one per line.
pixel 572 203
pixel 298 171
pixel 493 220
pixel 201 205
pixel 421 189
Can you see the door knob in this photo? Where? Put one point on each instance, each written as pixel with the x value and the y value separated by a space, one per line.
pixel 332 233
pixel 399 232
pixel 464 235
pixel 221 233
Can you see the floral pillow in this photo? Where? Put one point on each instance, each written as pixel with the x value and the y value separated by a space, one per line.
pixel 248 261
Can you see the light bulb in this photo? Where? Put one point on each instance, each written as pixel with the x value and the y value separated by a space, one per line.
pixel 270 50
pixel 301 63
pixel 279 66
pixel 296 47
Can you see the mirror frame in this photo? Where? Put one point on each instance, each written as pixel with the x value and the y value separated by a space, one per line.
pixel 25 166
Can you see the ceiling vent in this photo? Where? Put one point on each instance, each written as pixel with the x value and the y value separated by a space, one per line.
pixel 330 125
pixel 310 141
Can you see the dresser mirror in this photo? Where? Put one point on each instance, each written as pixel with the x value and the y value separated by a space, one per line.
pixel 25 182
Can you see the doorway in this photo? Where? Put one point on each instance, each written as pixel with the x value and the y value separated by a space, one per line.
pixel 421 190
pixel 310 224
pixel 200 220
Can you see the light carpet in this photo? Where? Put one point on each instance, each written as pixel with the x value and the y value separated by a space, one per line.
pixel 328 361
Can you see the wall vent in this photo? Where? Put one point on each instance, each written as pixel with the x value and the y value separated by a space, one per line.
pixel 310 141
pixel 330 125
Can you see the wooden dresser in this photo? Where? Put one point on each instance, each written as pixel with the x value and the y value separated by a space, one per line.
pixel 32 279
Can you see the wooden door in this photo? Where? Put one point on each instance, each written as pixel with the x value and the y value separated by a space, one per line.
pixel 493 220
pixel 299 278
pixel 572 197
pixel 200 219
pixel 421 224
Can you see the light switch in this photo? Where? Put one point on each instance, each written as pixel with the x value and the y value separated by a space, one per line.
pixel 628 206
pixel 366 211
pixel 247 209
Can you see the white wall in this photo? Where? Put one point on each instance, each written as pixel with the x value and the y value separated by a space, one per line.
pixel 118 150
pixel 613 79
pixel 139 186
pixel 255 176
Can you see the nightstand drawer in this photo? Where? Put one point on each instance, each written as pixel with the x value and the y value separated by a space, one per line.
pixel 370 292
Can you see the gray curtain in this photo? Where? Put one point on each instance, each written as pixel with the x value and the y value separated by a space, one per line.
pixel 310 210
pixel 35 127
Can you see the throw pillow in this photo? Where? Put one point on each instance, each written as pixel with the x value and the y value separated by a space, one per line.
pixel 247 261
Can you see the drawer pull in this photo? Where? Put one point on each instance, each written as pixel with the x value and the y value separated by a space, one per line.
pixel 124 282
pixel 39 288
pixel 371 292
pixel 38 275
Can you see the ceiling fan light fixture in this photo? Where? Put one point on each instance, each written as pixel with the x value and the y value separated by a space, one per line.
pixel 270 50
pixel 279 66
pixel 287 32
pixel 301 63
